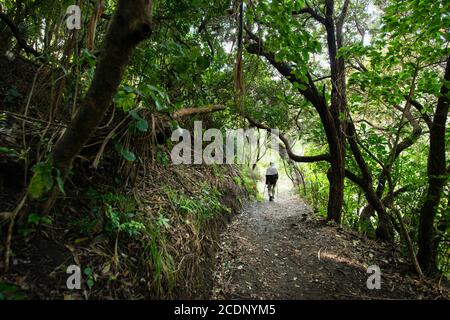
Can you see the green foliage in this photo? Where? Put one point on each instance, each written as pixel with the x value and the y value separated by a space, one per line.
pixel 86 224
pixel 89 277
pixel 443 233
pixel 120 212
pixel 12 95
pixel 159 259
pixel 139 124
pixel 8 151
pixel 162 158
pixel 42 180
pixel 33 222
pixel 44 177
pixel 316 190
pixel 187 63
pixel 162 221
pixel 203 206
pixel 245 180
pixel 125 98
pixel 35 219
pixel 88 58
pixel 124 152
pixel 159 98
pixel 122 221
pixel 10 292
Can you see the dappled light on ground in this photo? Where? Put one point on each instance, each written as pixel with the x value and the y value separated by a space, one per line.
pixel 279 250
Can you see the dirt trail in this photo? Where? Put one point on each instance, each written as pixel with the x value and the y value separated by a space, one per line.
pixel 278 250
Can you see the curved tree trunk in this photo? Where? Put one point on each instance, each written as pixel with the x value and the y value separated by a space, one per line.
pixel 129 26
pixel 437 176
pixel 336 174
pixel 330 116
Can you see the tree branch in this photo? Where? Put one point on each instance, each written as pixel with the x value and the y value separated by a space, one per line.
pixel 368 210
pixel 307 89
pixel 312 13
pixel 355 179
pixel 343 15
pixel 185 112
pixel 416 104
pixel 20 40
pixel 287 146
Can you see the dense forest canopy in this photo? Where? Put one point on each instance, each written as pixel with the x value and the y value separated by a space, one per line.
pixel 358 89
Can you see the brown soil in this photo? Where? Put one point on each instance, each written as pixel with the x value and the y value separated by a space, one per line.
pixel 278 250
pixel 39 259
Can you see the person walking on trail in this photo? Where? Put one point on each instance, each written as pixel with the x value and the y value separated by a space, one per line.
pixel 271 180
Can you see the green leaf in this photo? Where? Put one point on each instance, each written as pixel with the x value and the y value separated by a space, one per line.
pixel 125 100
pixel 90 282
pixel 300 86
pixel 127 154
pixel 34 218
pixel 12 94
pixel 159 105
pixel 87 271
pixel 163 221
pixel 142 125
pixel 135 115
pixel 155 89
pixel 42 180
pixel 89 57
pixel 46 220
pixel 8 151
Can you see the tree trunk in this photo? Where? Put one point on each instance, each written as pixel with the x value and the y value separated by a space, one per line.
pixel 437 175
pixel 336 174
pixel 385 229
pixel 98 11
pixel 336 191
pixel 129 26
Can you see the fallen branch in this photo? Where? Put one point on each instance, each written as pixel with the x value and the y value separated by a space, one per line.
pixel 186 112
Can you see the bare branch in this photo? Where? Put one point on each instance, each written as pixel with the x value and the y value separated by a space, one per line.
pixel 416 104
pixel 343 15
pixel 355 179
pixel 194 111
pixel 287 146
pixel 312 13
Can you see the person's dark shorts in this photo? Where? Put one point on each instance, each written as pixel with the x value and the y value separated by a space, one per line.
pixel 272 179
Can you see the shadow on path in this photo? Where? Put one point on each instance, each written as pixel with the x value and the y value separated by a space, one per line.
pixel 278 250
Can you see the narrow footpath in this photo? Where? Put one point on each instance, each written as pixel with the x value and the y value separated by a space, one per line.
pixel 279 250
